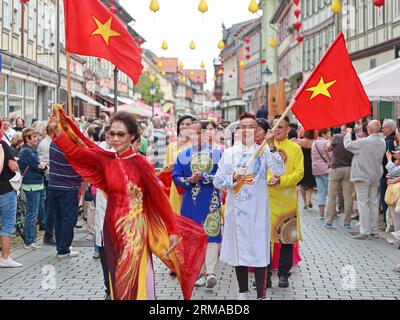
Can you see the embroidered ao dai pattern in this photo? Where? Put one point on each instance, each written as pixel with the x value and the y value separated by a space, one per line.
pixel 246 238
pixel 201 200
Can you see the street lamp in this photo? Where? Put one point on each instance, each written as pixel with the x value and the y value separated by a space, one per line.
pixel 266 76
pixel 152 93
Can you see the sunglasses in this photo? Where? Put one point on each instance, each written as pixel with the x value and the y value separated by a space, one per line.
pixel 119 134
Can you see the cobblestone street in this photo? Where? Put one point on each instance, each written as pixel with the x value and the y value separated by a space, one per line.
pixel 325 253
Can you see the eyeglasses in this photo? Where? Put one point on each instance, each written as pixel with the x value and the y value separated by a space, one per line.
pixel 119 134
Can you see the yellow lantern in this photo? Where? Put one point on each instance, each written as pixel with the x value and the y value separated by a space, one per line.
pixel 152 78
pixel 203 7
pixel 154 6
pixel 164 45
pixel 241 64
pixel 214 78
pixel 160 64
pixel 183 79
pixel 181 66
pixel 202 65
pixel 192 73
pixel 221 44
pixel 273 43
pixel 336 6
pixel 163 73
pixel 192 45
pixel 253 7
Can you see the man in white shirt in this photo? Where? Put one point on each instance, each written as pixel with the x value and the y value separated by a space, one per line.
pixel 8 132
pixel 366 172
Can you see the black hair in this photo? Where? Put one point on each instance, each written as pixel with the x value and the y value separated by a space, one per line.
pixel 293 134
pixel 130 123
pixel 96 133
pixel 261 122
pixel 181 119
pixel 203 124
pixel 285 118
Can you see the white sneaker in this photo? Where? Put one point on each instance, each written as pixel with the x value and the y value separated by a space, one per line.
pixel 71 254
pixel 201 282
pixel 33 246
pixel 211 281
pixel 396 268
pixel 243 296
pixel 9 263
pixel 393 241
pixel 396 234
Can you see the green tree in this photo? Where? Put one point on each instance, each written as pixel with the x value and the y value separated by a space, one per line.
pixel 144 88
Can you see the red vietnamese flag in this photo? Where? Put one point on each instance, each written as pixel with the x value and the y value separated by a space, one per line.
pixel 92 30
pixel 333 94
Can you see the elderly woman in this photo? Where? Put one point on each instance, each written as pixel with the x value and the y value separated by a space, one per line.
pixel 16 144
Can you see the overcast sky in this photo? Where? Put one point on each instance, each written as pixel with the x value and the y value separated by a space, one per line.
pixel 179 22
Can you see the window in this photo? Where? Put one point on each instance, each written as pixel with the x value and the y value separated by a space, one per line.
pixel 6 14
pixel 370 7
pixel 2 106
pixel 361 16
pixel 29 113
pixel 46 27
pixel 29 90
pixel 15 86
pixel 315 2
pixel 379 12
pixel 305 56
pixel 309 7
pixel 324 45
pixel 2 83
pixel 16 19
pixel 396 10
pixel 321 4
pixel 40 24
pixel 330 36
pixel 31 19
pixel 15 107
pixel 318 48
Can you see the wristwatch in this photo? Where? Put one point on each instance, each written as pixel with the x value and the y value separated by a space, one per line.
pixel 273 149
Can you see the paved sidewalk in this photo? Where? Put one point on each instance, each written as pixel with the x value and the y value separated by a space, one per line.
pixel 330 257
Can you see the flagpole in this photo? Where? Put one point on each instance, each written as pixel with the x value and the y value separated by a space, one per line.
pixel 282 117
pixel 69 83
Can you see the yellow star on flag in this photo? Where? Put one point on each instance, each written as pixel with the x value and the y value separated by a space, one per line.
pixel 105 30
pixel 321 88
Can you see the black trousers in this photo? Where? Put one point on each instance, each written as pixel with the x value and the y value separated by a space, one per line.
pixel 104 266
pixel 285 260
pixel 242 275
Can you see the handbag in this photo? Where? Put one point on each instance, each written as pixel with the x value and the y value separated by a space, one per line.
pixel 16 181
pixel 327 163
pixel 392 194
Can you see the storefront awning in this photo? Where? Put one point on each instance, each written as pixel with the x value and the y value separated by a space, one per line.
pixel 86 98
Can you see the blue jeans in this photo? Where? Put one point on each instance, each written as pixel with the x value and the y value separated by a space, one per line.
pixel 42 207
pixel 322 185
pixel 32 211
pixel 64 205
pixel 8 213
pixel 50 217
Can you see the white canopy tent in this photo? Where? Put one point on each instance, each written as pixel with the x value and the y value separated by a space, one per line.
pixel 383 83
